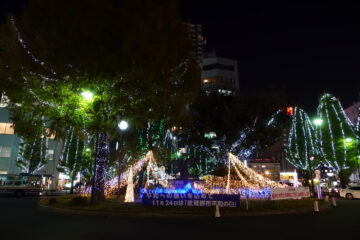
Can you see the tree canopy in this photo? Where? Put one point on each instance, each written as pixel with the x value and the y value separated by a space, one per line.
pixel 134 56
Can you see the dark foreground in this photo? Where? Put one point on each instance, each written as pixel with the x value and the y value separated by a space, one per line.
pixel 19 219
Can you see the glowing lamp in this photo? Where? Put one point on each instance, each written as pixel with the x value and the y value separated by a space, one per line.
pixel 123 125
pixel 318 121
pixel 290 111
pixel 87 95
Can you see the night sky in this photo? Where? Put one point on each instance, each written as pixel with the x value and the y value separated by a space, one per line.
pixel 302 48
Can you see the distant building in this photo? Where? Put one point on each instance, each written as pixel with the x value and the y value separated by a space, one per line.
pixel 10 146
pixel 353 112
pixel 198 41
pixel 219 75
pixel 267 167
pixel 273 159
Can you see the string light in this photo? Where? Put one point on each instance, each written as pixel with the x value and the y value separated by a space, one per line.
pixel 338 127
pixel 129 196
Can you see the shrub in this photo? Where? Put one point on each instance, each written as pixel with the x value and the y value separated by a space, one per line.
pixel 79 200
pixel 52 201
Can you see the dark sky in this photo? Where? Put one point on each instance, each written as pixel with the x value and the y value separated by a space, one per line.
pixel 302 48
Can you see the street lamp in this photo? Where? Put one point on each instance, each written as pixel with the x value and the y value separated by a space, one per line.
pixel 123 125
pixel 318 121
pixel 87 95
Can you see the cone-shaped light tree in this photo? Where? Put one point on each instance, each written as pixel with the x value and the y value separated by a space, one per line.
pixel 302 150
pixel 334 135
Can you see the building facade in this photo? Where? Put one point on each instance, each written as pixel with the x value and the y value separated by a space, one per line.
pixel 10 147
pixel 353 112
pixel 219 75
pixel 267 167
pixel 196 35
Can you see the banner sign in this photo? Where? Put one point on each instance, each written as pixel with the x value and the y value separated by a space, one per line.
pixel 290 193
pixel 190 200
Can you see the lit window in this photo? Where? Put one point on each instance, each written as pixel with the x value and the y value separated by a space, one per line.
pixel 182 150
pixel 5 152
pixel 50 154
pixel 6 128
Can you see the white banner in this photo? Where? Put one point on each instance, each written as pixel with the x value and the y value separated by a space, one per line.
pixel 290 193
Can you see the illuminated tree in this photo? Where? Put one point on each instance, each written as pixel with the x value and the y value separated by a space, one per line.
pixel 332 135
pixel 33 153
pixel 73 157
pixel 134 56
pixel 302 145
pixel 243 124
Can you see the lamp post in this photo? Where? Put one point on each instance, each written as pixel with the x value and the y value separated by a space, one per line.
pixel 317 122
pixel 123 125
pixel 87 95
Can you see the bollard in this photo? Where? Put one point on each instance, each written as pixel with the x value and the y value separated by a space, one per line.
pixel 333 201
pixel 217 211
pixel 326 197
pixel 316 206
pixel 247 202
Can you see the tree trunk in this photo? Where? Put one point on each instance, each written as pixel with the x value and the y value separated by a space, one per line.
pixel 72 185
pixel 343 180
pixel 100 165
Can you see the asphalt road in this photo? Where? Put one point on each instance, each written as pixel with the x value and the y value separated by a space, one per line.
pixel 20 219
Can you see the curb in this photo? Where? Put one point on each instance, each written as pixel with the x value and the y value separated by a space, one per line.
pixel 62 211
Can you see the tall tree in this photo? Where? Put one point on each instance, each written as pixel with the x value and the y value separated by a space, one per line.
pixel 302 145
pixel 134 56
pixel 242 124
pixel 302 149
pixel 332 135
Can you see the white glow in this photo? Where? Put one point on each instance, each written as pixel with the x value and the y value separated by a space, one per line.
pixel 330 174
pixel 63 176
pixel 87 95
pixel 318 121
pixel 123 125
